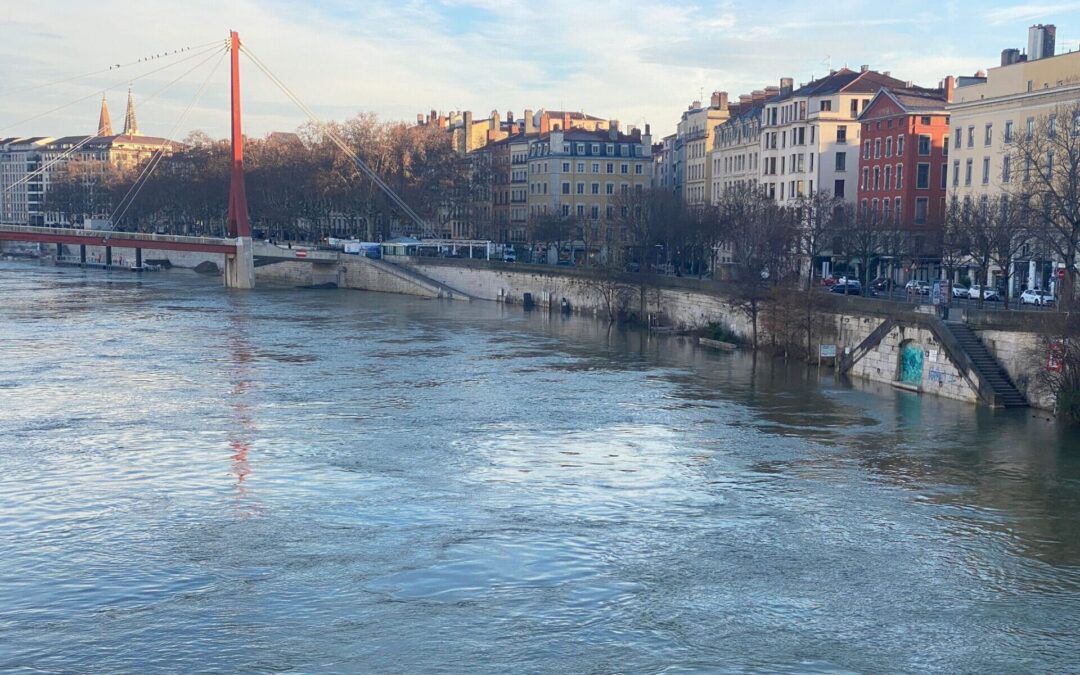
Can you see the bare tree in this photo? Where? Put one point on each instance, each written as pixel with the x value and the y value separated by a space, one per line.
pixel 762 238
pixel 819 219
pixel 1046 162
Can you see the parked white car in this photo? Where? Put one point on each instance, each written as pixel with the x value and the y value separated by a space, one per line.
pixel 1034 297
pixel 987 292
pixel 960 291
pixel 918 286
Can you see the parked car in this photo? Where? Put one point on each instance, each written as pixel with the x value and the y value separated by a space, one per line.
pixel 509 255
pixel 917 286
pixel 829 281
pixel 881 284
pixel 847 287
pixel 1036 297
pixel 987 293
pixel 960 291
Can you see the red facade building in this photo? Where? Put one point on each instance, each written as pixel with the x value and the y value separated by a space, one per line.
pixel 904 159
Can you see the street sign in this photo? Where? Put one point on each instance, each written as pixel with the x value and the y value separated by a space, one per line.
pixel 936 293
pixel 827 351
pixel 1061 273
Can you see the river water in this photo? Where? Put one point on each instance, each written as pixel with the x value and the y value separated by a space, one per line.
pixel 193 479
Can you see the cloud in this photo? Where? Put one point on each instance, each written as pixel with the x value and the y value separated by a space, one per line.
pixel 1028 12
pixel 640 62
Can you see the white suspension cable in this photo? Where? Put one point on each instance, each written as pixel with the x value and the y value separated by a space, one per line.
pixel 155 160
pixel 118 84
pixel 68 153
pixel 340 143
pixel 117 66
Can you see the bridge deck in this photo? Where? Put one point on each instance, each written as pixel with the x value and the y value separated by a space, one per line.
pixel 164 242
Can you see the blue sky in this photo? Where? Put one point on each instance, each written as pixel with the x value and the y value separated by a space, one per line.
pixel 635 61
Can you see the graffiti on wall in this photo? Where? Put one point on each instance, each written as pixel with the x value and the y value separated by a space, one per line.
pixel 911 362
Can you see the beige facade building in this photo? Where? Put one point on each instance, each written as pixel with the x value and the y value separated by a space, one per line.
pixel 810 135
pixel 990 111
pixel 580 174
pixel 735 155
pixel 695 134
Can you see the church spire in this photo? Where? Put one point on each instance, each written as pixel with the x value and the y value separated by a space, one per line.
pixel 131 127
pixel 104 125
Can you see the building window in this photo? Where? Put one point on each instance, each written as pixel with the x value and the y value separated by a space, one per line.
pixel 888 146
pixel 921 206
pixel 1006 166
pixel 841 161
pixel 888 177
pixel 866 178
pixel 1009 131
pixel 899 176
pixel 826 106
pixel 944 175
pixel 922 176
pixel 959 137
pixel 595 213
pixel 566 167
pixel 866 150
pixel 625 168
pixel 988 134
pixel 566 188
pixel 877 178
pixel 971 136
pixel 900 145
pixel 838 189
pixel 580 210
pixel 841 133
pixel 986 171
pixel 924 145
pixel 610 166
pixel 581 188
pixel 610 189
pixel 638 169
pixel 956 173
pixel 596 188
pixel 1030 127
pixel 877 148
pixel 1051 128
pixel 967 172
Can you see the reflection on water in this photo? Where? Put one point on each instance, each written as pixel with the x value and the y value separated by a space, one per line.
pixel 194 479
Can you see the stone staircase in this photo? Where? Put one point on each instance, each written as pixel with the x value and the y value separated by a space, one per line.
pixel 995 381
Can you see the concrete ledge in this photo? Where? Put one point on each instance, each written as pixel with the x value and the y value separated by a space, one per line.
pixel 717 344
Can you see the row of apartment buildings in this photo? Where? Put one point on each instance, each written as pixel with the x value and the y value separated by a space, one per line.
pixel 567 165
pixel 895 151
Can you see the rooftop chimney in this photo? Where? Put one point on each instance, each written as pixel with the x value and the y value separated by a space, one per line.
pixel 787 85
pixel 530 123
pixel 719 100
pixel 1010 56
pixel 950 88
pixel 863 68
pixel 1041 41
